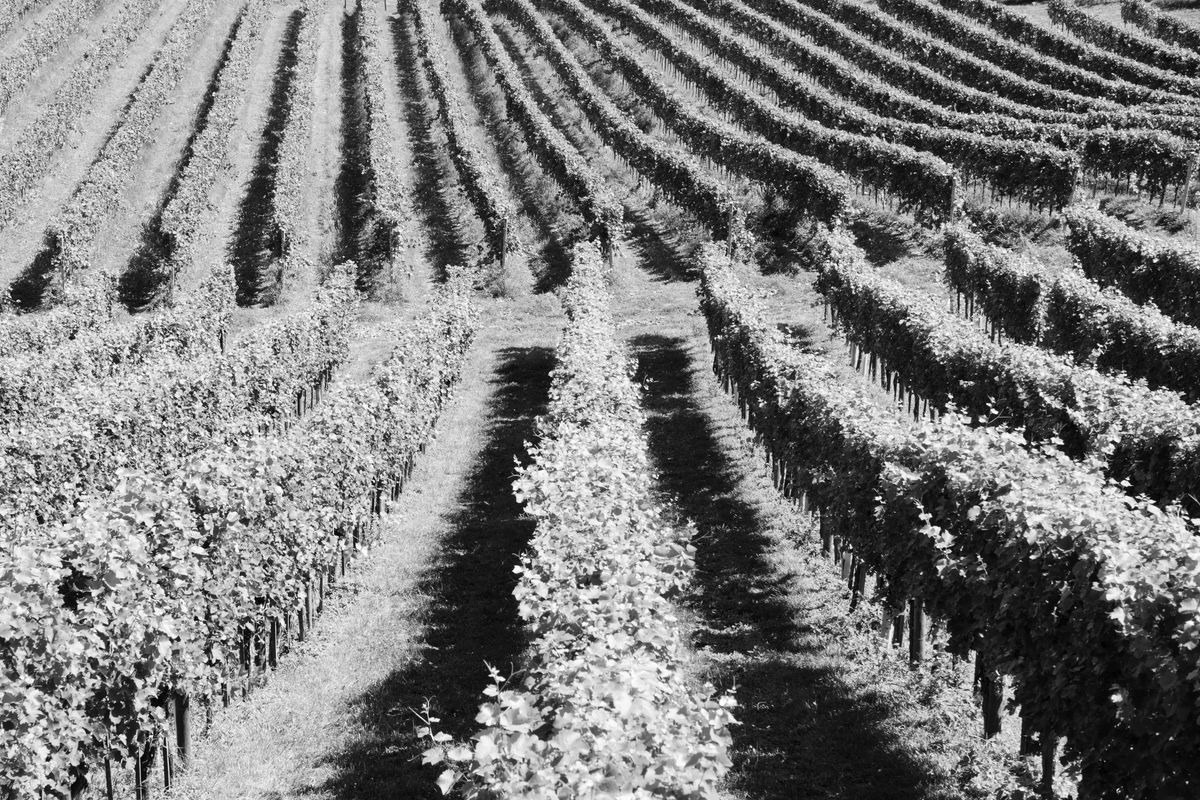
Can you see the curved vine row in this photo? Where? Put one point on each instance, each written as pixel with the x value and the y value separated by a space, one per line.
pixel 995 541
pixel 1066 14
pixel 675 172
pixel 34 382
pixel 1116 144
pixel 556 154
pixel 1149 438
pixel 77 225
pixel 88 303
pixel 168 410
pixel 1167 27
pixel 192 208
pixel 918 180
pixel 824 193
pixel 40 41
pixel 956 64
pixel 1147 269
pixel 25 162
pixel 151 588
pixel 1035 172
pixel 1092 72
pixel 1071 314
pixel 12 13
pixel 479 179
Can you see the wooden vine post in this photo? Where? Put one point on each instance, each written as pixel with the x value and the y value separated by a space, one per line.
pixel 1193 165
pixel 916 632
pixel 503 243
pixel 1049 757
pixel 183 729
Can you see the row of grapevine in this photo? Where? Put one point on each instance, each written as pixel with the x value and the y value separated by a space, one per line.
pixel 1066 14
pixel 1105 141
pixel 154 586
pixel 169 409
pixel 1036 172
pixel 35 383
pixel 191 209
pixel 1069 49
pixel 478 177
pixel 1096 79
pixel 25 162
pixel 288 220
pixel 935 358
pixel 1145 268
pixel 38 42
pixel 917 180
pixel 953 63
pixel 903 71
pixel 1071 314
pixel 604 690
pixel 998 543
pixel 77 225
pixel 11 13
pixel 823 192
pixel 1165 26
pixel 676 172
pixel 88 303
pixel 556 154
pixel 392 203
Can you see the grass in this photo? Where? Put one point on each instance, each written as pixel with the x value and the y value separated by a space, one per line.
pixel 825 711
pixel 430 605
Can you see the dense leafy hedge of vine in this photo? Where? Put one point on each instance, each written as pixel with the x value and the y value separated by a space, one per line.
pixel 956 64
pixel 393 204
pixel 77 225
pixel 289 219
pixel 1158 158
pixel 168 410
pixel 1071 314
pixel 479 178
pixel 12 12
pixel 808 183
pixel 1036 172
pixel 1146 268
pixel 556 154
pixel 26 160
pixel 1100 74
pixel 1087 599
pixel 34 383
pixel 88 302
pixel 1067 14
pixel 1069 49
pixel 676 172
pixel 1150 438
pixel 827 36
pixel 192 208
pixel 39 42
pixel 917 180
pixel 1165 26
pixel 603 707
pixel 149 588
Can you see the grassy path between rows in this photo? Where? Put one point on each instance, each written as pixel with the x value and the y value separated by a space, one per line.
pixel 824 712
pixel 425 609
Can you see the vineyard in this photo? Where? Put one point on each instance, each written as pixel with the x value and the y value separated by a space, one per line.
pixel 599 399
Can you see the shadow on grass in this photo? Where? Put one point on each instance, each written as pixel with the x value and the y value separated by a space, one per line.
pixel 472 614
pixel 432 168
pixel 806 730
pixel 553 215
